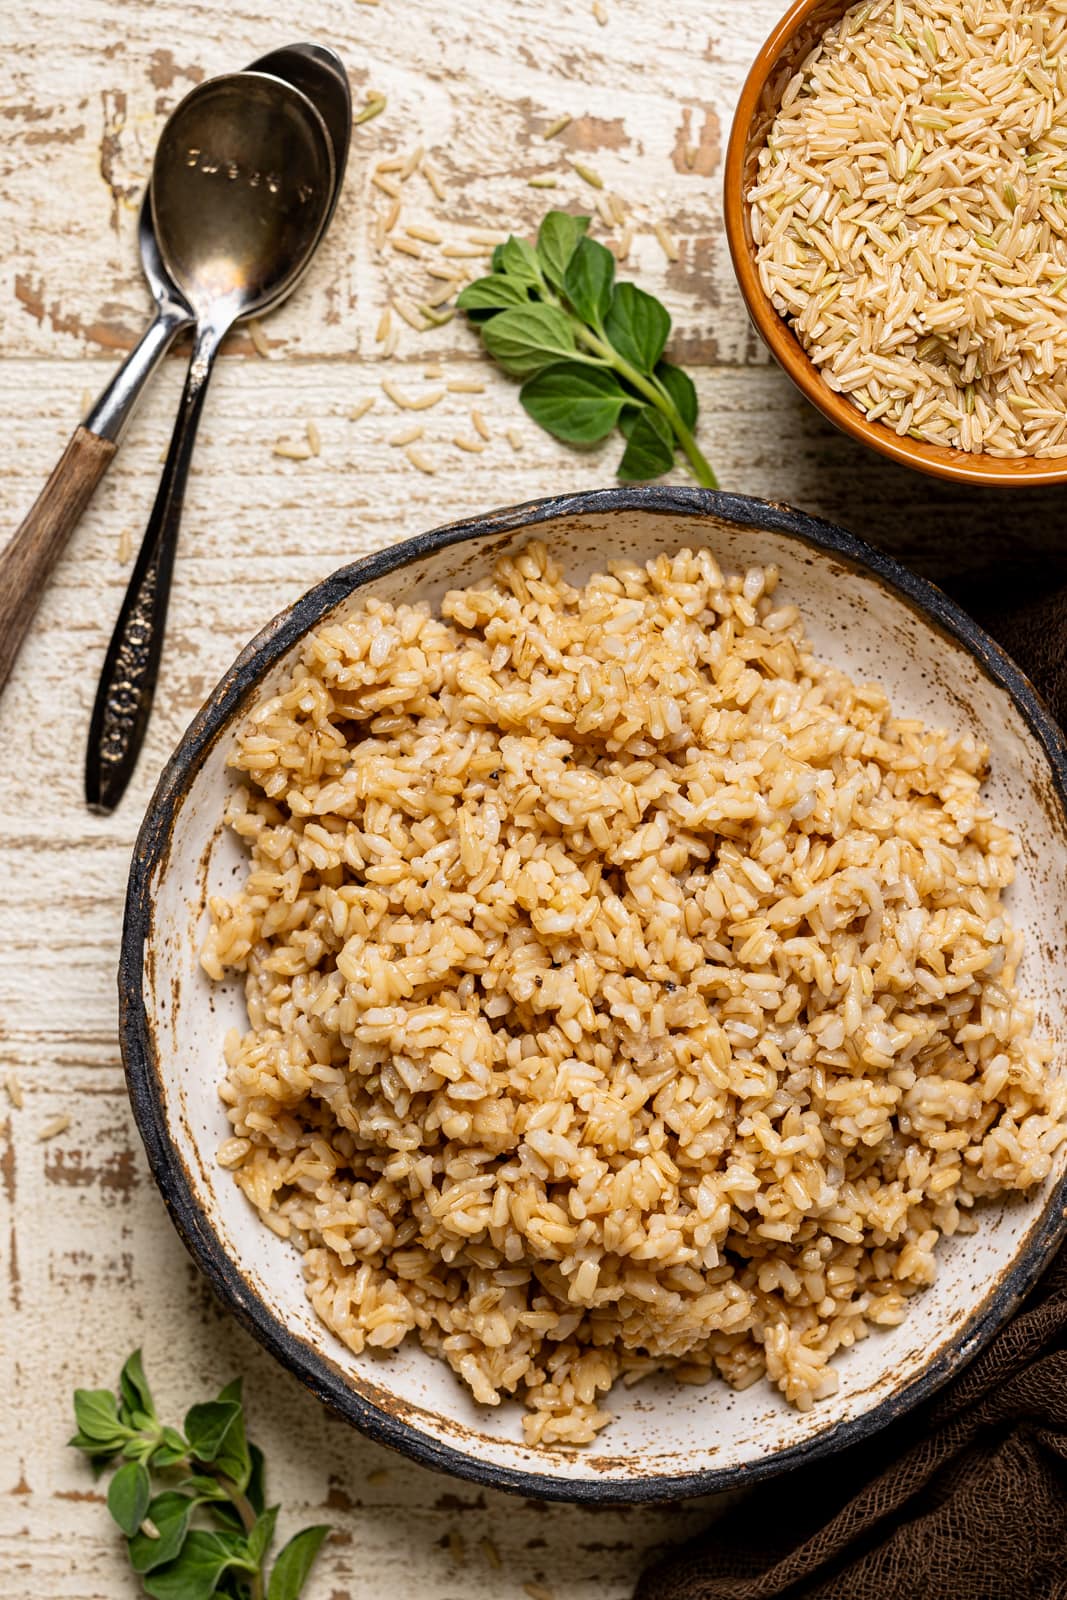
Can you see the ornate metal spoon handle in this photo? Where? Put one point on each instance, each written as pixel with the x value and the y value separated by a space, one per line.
pixel 128 679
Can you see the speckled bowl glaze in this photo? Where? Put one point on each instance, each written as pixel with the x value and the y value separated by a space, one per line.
pixel 668 1440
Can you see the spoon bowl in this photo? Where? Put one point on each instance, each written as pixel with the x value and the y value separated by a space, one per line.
pixel 318 72
pixel 242 183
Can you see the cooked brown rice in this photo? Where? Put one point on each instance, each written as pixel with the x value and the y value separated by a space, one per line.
pixel 626 987
pixel 910 218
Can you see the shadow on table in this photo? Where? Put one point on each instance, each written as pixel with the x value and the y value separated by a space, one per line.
pixel 1001 553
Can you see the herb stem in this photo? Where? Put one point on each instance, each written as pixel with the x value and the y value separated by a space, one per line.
pixel 244 1509
pixel 658 397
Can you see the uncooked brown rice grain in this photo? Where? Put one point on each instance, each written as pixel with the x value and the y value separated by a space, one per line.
pixel 53 1128
pixel 420 461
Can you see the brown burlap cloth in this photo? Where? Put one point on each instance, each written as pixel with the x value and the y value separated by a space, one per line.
pixel 966 1497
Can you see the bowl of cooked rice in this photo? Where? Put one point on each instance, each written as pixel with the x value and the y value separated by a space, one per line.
pixel 896 209
pixel 594 992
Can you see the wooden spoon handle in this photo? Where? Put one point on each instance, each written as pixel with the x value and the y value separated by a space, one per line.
pixel 36 547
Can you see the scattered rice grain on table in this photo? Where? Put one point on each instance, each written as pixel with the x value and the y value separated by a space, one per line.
pixel 426 402
pixel 421 461
pixel 290 451
pixel 396 395
pixel 53 1128
pixel 434 180
pixel 627 988
pixel 259 340
pixel 666 240
pixel 412 162
pixel 408 313
pixel 373 106
pixel 909 219
pixel 587 174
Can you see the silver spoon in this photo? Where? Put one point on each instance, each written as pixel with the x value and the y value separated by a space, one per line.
pixel 242 186
pixel 41 537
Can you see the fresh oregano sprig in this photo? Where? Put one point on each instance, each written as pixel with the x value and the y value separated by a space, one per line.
pixel 209 1531
pixel 589 349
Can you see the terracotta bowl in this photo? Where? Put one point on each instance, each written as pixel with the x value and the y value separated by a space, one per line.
pixel 795 36
pixel 667 1440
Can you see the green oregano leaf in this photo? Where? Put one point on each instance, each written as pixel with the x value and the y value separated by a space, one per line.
pixel 139 1448
pixel 195 1572
pixel 650 449
pixel 588 281
pixel 136 1395
pixel 233 1458
pixel 207 1426
pixel 262 1533
pixel 519 261
pixel 679 385
pixel 128 1495
pixel 202 1488
pixel 637 326
pixel 294 1563
pixel 168 1518
pixel 96 1412
pixel 579 404
pixel 254 1490
pixel 170 1450
pixel 529 338
pixel 557 240
pixel 628 418
pixel 486 296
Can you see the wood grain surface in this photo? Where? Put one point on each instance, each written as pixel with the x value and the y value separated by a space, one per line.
pixel 91 1265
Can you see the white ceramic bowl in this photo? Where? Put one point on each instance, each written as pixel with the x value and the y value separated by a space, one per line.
pixel 863 612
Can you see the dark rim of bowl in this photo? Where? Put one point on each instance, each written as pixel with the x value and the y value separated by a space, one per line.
pixel 142 1067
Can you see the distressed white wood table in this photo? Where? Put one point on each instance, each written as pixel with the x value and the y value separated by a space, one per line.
pixel 91 1265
